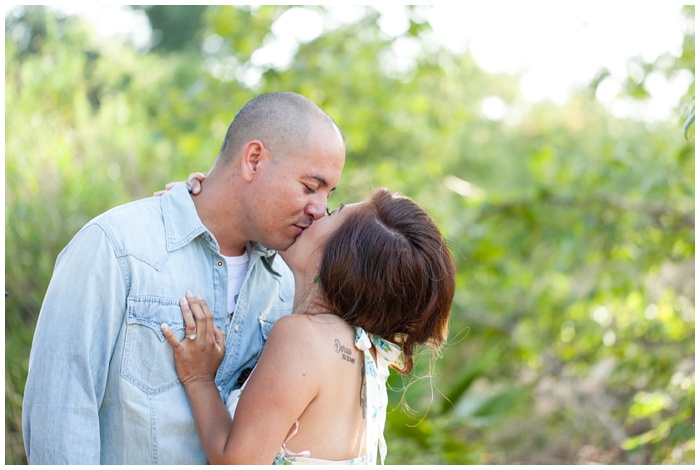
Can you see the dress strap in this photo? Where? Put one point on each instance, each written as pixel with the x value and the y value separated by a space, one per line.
pixel 287 452
pixel 376 374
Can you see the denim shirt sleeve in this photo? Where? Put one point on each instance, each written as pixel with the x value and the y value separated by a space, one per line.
pixel 79 321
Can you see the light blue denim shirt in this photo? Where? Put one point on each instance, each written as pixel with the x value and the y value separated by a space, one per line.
pixel 102 386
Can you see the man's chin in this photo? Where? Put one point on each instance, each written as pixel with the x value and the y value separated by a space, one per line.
pixel 284 246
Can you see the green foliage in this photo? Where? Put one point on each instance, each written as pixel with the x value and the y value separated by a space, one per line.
pixel 572 329
pixel 174 27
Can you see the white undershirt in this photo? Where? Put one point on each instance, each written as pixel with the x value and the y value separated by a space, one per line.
pixel 237 269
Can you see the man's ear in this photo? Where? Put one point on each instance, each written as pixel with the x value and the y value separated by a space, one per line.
pixel 254 153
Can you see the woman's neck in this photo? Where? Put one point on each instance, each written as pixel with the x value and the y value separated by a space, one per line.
pixel 307 297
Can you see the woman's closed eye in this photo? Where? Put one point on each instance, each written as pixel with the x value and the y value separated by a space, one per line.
pixel 334 211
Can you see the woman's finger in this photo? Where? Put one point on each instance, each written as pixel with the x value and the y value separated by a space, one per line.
pixel 220 337
pixel 187 316
pixel 170 336
pixel 208 317
pixel 195 302
pixel 196 308
pixel 194 181
pixel 168 187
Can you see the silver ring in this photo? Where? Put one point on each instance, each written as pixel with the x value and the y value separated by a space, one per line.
pixel 192 336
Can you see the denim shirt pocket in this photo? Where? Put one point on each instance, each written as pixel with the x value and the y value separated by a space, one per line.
pixel 148 361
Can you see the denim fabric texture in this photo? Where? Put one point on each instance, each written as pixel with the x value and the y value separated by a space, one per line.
pixel 102 386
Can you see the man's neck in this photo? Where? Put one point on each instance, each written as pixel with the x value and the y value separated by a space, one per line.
pixel 219 217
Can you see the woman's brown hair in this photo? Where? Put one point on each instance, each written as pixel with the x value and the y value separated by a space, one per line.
pixel 388 270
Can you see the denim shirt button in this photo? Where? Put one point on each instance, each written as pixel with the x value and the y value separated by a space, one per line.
pixel 219 263
pixel 235 328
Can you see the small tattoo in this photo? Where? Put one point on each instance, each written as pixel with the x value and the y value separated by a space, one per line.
pixel 344 352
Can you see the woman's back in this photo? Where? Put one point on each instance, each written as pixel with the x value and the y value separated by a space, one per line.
pixel 318 352
pixel 333 426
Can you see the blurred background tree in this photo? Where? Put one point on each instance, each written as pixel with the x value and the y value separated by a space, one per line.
pixel 572 331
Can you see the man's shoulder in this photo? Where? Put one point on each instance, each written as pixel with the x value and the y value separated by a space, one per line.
pixel 131 223
pixel 147 210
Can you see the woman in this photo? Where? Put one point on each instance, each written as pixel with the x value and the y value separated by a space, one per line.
pixel 373 281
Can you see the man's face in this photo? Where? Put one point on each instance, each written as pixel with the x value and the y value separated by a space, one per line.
pixel 292 190
pixel 304 256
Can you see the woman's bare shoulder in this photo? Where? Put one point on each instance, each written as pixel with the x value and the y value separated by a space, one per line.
pixel 321 323
pixel 317 335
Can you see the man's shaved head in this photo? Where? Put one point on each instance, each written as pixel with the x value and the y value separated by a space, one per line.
pixel 281 121
pixel 281 159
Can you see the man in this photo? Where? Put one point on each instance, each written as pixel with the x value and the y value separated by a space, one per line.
pixel 102 386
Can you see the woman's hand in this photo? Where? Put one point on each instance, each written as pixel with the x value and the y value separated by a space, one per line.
pixel 194 182
pixel 198 355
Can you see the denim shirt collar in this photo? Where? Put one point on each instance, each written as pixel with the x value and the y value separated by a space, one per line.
pixel 182 225
pixel 268 256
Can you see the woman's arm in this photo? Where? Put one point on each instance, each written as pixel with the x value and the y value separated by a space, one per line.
pixel 282 385
pixel 285 381
pixel 196 362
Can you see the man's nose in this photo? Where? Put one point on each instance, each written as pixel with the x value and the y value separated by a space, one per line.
pixel 317 208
